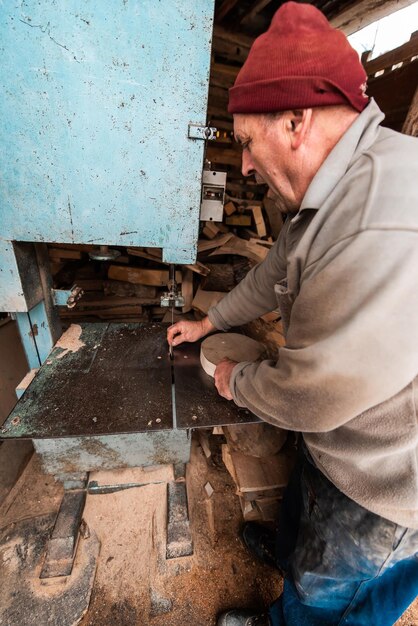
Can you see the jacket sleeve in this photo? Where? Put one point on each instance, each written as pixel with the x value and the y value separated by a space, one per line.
pixel 254 295
pixel 352 341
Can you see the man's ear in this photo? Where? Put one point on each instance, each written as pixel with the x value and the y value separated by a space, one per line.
pixel 299 123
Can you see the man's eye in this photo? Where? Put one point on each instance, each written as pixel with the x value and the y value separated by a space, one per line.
pixel 246 144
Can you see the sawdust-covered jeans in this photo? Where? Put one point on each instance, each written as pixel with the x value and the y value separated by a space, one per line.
pixel 345 565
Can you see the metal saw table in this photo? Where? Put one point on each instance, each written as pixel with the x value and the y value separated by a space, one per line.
pixel 114 398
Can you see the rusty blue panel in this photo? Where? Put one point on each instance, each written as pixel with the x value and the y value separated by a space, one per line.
pixel 11 288
pixel 96 102
pixel 35 334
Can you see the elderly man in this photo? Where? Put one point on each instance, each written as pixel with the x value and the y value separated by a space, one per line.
pixel 344 273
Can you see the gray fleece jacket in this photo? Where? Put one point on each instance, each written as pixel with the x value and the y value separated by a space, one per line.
pixel 344 273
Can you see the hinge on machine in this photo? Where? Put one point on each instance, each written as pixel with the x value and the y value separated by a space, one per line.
pixel 196 131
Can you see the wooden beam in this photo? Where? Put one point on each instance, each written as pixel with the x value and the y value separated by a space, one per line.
pixel 255 10
pixel 398 55
pixel 410 126
pixel 237 38
pixel 224 9
pixel 361 13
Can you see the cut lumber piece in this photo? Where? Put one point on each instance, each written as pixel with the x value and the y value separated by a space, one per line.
pixel 260 474
pixel 204 300
pixel 121 288
pixel 269 508
pixel 90 284
pixel 249 510
pixel 259 221
pixel 227 460
pixel 63 253
pixel 187 290
pixel 210 230
pixel 204 442
pixel 235 245
pixel 145 254
pixel 203 245
pixel 238 220
pixel 260 440
pixel 92 301
pixel 229 208
pixel 138 275
pixel 198 268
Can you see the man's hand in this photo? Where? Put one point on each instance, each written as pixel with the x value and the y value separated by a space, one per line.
pixel 223 376
pixel 188 331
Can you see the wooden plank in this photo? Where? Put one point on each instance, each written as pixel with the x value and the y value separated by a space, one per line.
pixel 260 474
pixel 210 230
pixel 224 9
pixel 198 268
pixel 229 208
pixel 154 278
pixel 223 75
pixel 237 38
pixel 61 253
pixel 364 12
pixel 187 290
pixel 410 126
pixel 236 245
pixel 259 221
pixel 255 10
pixel 204 300
pixel 238 220
pixel 274 216
pixel 398 55
pixel 203 246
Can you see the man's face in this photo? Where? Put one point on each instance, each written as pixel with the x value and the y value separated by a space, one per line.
pixel 267 153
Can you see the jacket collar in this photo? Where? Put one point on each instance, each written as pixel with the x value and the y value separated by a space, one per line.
pixel 356 140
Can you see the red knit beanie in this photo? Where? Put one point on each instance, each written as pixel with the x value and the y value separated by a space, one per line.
pixel 300 62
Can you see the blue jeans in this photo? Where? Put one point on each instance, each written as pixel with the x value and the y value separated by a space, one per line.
pixel 345 565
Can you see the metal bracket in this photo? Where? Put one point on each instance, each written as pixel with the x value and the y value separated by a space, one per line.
pixel 202 132
pixel 67 297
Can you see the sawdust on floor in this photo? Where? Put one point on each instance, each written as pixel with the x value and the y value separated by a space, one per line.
pixel 135 585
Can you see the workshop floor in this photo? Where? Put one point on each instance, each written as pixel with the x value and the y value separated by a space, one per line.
pixel 135 585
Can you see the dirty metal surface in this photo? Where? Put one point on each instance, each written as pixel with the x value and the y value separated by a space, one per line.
pixel 198 403
pixel 115 378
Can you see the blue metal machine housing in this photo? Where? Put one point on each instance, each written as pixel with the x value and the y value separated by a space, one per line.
pixel 98 100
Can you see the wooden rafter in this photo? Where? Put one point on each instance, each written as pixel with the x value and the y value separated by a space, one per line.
pixel 398 55
pixel 258 6
pixel 224 9
pixel 361 13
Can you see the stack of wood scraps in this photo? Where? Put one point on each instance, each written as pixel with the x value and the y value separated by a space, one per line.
pixel 260 481
pixel 130 286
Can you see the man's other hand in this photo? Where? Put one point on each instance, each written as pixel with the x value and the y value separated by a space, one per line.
pixel 188 331
pixel 223 376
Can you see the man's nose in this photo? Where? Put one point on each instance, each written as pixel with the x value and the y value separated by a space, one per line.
pixel 247 164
